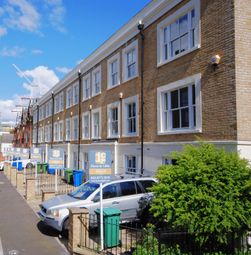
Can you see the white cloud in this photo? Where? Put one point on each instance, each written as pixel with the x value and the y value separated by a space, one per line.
pixel 64 70
pixel 6 108
pixel 11 52
pixel 3 31
pixel 57 14
pixel 22 15
pixel 36 52
pixel 42 77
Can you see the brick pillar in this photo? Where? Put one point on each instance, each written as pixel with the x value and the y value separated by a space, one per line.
pixel 20 180
pixel 30 189
pixel 13 177
pixel 47 195
pixel 6 168
pixel 78 229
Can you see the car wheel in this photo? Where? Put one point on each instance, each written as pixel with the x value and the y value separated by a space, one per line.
pixel 65 228
pixel 29 166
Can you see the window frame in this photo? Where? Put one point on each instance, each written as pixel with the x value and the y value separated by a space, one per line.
pixel 67 137
pixel 96 70
pixel 75 94
pixel 125 103
pixel 85 78
pixel 73 137
pixel 196 80
pixel 125 51
pixel 126 158
pixel 69 103
pixel 83 125
pixel 187 8
pixel 109 123
pixel 110 61
pixel 60 137
pixel 97 110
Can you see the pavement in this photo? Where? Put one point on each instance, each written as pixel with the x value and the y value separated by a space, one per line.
pixel 21 231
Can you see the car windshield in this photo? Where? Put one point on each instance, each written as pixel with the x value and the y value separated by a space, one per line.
pixel 84 191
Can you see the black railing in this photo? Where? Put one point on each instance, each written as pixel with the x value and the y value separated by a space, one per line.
pixel 132 239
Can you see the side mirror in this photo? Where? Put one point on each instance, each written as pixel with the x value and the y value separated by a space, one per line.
pixel 96 199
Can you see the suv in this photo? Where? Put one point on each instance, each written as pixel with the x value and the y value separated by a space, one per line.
pixel 123 194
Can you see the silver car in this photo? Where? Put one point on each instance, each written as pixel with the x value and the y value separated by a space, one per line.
pixel 123 194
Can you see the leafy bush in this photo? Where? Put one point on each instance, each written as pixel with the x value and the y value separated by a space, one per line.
pixel 207 193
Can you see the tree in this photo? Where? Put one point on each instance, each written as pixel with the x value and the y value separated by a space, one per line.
pixel 207 193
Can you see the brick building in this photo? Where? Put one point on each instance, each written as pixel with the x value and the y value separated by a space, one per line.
pixel 186 95
pixel 22 137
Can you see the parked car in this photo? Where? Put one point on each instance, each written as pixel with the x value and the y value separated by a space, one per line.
pixel 2 166
pixel 123 194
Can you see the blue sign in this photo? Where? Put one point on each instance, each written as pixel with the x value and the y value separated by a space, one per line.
pixel 100 169
pixel 36 154
pixel 56 158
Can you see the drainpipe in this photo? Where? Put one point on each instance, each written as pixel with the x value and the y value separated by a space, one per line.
pixel 37 124
pixel 52 119
pixel 141 32
pixel 79 114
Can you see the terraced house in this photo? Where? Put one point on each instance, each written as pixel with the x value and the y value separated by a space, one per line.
pixel 177 72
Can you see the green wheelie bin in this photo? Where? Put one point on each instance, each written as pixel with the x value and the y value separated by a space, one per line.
pixel 111 219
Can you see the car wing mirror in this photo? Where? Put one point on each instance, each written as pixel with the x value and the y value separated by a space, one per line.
pixel 96 199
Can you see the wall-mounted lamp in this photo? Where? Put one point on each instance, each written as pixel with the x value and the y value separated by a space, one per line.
pixel 58 118
pixel 90 107
pixel 41 125
pixel 71 114
pixel 48 122
pixel 215 60
pixel 79 72
pixel 140 25
pixel 120 95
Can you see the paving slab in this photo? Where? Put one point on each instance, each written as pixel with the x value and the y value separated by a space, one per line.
pixel 21 231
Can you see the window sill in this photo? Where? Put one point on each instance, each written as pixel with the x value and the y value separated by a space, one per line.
pixel 96 94
pixel 113 86
pixel 113 136
pixel 130 135
pixel 161 63
pixel 131 78
pixel 182 131
pixel 86 99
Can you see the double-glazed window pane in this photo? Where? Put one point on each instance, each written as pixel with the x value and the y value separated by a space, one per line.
pixel 114 121
pixel 131 63
pixel 179 36
pixel 75 128
pixel 114 72
pixel 131 164
pixel 131 118
pixel 182 109
pixel 76 94
pixel 96 124
pixel 97 82
pixel 86 126
pixel 86 88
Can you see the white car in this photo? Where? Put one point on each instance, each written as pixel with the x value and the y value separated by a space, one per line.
pixel 2 166
pixel 123 194
pixel 26 163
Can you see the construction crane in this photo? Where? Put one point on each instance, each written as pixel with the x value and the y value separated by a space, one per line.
pixel 23 75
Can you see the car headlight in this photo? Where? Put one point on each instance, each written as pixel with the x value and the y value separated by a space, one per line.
pixel 54 213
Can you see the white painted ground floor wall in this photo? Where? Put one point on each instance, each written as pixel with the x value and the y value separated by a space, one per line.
pixel 154 153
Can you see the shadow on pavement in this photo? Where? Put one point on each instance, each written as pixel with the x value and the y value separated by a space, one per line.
pixel 47 230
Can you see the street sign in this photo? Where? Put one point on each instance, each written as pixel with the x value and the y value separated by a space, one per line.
pixel 36 154
pixel 56 158
pixel 25 153
pixel 100 169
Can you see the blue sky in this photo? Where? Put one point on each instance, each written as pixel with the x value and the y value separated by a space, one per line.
pixel 47 38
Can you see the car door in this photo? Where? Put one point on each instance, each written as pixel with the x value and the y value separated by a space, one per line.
pixel 129 200
pixel 110 198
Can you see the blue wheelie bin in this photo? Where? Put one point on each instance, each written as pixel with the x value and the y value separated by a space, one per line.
pixel 78 176
pixel 19 166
